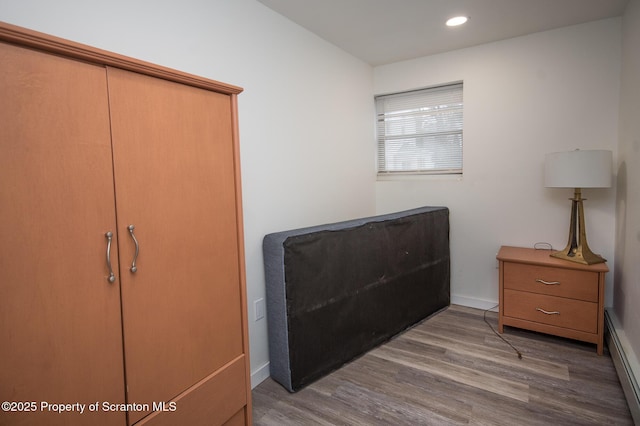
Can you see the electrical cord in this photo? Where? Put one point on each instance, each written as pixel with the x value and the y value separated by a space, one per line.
pixel 538 245
pixel 498 334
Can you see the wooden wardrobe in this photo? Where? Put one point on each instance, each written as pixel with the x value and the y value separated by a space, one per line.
pixel 122 283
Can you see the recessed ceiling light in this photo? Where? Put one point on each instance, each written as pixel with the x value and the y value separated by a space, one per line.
pixel 457 20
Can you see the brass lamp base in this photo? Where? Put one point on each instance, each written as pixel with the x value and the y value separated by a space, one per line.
pixel 577 249
pixel 579 255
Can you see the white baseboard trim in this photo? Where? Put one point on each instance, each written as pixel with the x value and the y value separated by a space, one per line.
pixel 259 375
pixel 473 302
pixel 625 362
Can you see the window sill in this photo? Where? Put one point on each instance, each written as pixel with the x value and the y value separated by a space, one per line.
pixel 420 177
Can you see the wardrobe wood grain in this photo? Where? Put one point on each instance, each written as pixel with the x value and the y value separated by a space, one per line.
pixel 91 142
pixel 56 201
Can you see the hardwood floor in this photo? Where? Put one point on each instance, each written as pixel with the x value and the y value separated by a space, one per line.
pixel 452 369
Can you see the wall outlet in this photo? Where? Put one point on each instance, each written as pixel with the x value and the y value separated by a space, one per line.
pixel 258 309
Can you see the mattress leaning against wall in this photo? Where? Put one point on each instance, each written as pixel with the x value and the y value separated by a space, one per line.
pixel 338 290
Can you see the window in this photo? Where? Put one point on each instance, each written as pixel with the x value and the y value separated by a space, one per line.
pixel 420 132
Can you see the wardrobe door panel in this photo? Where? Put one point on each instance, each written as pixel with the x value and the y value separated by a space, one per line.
pixel 175 182
pixel 60 324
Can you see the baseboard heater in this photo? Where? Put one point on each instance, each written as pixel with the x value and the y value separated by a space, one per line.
pixel 623 367
pixel 338 290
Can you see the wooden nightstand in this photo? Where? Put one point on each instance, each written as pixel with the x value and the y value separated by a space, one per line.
pixel 549 295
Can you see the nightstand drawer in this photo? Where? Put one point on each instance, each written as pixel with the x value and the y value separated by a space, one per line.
pixel 575 284
pixel 560 312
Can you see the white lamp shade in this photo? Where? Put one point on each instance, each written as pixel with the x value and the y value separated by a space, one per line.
pixel 578 169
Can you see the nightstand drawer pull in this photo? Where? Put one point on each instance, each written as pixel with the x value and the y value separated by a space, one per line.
pixel 548 282
pixel 547 312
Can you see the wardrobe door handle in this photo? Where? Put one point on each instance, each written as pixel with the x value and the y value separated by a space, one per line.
pixel 134 268
pixel 112 276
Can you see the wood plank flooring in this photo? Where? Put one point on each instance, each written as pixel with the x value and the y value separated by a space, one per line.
pixel 453 370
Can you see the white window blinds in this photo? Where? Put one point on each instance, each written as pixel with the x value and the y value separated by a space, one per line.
pixel 420 131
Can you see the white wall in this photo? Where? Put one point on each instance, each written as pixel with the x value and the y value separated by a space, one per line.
pixel 523 97
pixel 305 114
pixel 627 266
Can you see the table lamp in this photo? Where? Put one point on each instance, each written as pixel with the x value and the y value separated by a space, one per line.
pixel 578 169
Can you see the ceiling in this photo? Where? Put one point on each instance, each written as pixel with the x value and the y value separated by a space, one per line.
pixel 385 31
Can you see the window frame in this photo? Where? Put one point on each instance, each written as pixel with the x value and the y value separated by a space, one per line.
pixel 447 133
